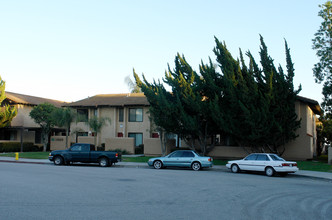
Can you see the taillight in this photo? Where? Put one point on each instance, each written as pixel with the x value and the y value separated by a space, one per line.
pixel 289 164
pixel 210 159
pixel 116 155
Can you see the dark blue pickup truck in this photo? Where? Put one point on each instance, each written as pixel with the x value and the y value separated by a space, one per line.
pixel 84 153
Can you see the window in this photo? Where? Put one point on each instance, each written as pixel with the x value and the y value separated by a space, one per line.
pixel 262 157
pixel 38 137
pixel 8 134
pixel 251 157
pixel 76 148
pixel 188 154
pixel 276 158
pixel 82 133
pixel 95 112
pixel 120 114
pixel 135 115
pixel 82 115
pixel 177 154
pixel 138 138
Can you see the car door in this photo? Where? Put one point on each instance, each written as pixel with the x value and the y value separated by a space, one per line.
pixel 75 152
pixel 186 159
pixel 173 159
pixel 79 153
pixel 261 162
pixel 248 163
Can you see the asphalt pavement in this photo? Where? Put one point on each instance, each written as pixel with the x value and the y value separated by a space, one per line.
pixel 304 173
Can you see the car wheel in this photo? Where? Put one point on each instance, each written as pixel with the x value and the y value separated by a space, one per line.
pixel 269 171
pixel 103 162
pixel 157 164
pixel 196 166
pixel 58 160
pixel 235 168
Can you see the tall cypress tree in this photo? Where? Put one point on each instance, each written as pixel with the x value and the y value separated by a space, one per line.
pixel 254 106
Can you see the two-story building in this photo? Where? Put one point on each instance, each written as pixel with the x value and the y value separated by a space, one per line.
pixel 128 114
pixel 132 127
pixel 23 128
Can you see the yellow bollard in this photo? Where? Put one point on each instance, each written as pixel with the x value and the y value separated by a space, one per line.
pixel 16 156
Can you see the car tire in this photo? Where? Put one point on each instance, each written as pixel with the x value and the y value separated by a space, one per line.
pixel 235 168
pixel 157 164
pixel 269 171
pixel 58 160
pixel 196 166
pixel 103 162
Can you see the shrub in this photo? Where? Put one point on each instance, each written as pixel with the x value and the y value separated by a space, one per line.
pixel 16 147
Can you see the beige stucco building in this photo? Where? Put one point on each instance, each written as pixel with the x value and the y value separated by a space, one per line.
pixel 128 118
pixel 22 127
pixel 130 126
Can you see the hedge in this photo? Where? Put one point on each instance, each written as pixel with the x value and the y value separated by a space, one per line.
pixel 16 147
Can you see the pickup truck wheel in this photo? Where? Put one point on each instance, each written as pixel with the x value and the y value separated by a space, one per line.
pixel 103 162
pixel 58 160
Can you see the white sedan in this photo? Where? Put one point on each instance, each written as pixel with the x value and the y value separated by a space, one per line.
pixel 268 163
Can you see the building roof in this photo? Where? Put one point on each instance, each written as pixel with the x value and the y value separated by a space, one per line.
pixel 15 98
pixel 313 104
pixel 128 99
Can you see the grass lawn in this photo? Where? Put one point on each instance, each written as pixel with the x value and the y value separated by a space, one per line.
pixel 30 155
pixel 316 165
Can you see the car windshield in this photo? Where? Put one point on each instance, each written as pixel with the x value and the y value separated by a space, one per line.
pixel 276 157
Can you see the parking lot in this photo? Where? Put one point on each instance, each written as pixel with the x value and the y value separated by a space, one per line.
pixel 39 191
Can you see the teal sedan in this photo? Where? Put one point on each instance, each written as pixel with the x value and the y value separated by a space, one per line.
pixel 182 158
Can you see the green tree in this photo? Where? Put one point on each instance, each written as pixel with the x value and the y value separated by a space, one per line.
pixel 132 85
pixel 254 106
pixel 322 43
pixel 7 112
pixel 63 117
pixel 42 114
pixel 96 124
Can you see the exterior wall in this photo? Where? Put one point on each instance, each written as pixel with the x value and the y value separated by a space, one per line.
pixel 58 143
pixel 139 127
pixel 228 152
pixel 86 140
pixel 152 146
pixel 111 130
pixel 304 146
pixel 23 117
pixel 120 143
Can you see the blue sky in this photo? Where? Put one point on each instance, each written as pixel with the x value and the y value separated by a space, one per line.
pixel 69 50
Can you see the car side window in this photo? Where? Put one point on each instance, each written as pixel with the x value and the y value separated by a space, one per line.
pixel 177 154
pixel 188 154
pixel 76 148
pixel 262 158
pixel 251 157
pixel 85 148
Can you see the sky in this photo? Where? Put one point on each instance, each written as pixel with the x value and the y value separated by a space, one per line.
pixel 72 49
